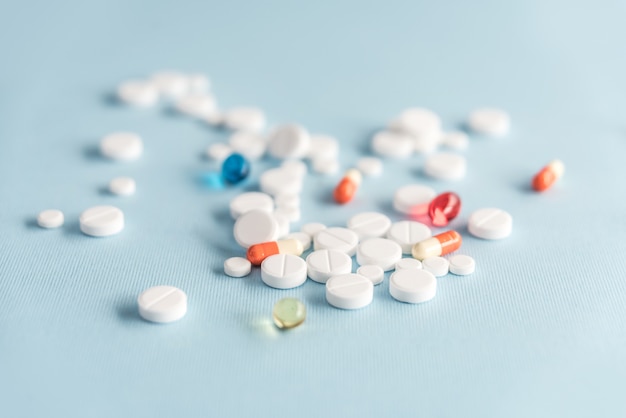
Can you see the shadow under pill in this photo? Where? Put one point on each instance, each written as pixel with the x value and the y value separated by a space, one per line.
pixel 127 312
pixel 110 99
pixel 31 223
pixel 92 152
pixel 72 228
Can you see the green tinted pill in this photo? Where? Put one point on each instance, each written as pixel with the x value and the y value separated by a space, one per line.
pixel 289 313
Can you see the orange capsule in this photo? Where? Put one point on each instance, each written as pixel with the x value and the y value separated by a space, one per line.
pixel 548 176
pixel 347 187
pixel 259 252
pixel 440 244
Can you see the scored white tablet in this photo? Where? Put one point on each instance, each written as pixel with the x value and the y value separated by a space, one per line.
pixel 407 233
pixel 102 221
pixel 490 223
pixel 323 264
pixel 340 239
pixel 349 291
pixel 283 271
pixel 412 285
pixel 246 202
pixel 369 224
pixel 162 304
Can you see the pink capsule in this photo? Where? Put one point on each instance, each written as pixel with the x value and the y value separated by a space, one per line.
pixel 444 208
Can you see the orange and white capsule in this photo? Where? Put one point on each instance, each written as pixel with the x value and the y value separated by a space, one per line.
pixel 441 244
pixel 548 175
pixel 259 252
pixel 347 187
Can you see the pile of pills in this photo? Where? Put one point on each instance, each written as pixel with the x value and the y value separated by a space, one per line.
pixel 407 250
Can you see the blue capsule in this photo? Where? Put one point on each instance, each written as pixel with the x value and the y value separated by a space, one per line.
pixel 235 168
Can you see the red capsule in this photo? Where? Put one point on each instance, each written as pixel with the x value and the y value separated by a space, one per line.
pixel 347 187
pixel 444 208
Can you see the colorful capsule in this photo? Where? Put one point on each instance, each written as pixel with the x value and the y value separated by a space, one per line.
pixel 548 176
pixel 436 246
pixel 444 208
pixel 259 252
pixel 235 168
pixel 347 187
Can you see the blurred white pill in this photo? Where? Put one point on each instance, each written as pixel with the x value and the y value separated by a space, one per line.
pixel 490 223
pixel 323 264
pixel 170 84
pixel 247 119
pixel 121 146
pixel 369 224
pixel 138 93
pixel 51 218
pixel 407 233
pixel 254 227
pixel 323 147
pixel 455 140
pixel 237 267
pixel 490 121
pixel 349 291
pixel 278 181
pixel 413 199
pixel 122 186
pixel 215 118
pixel 250 145
pixel 198 83
pixel 462 265
pixel 426 143
pixel 287 201
pixel 412 285
pixel 284 226
pixel 326 167
pixel 218 151
pixel 296 167
pixel 379 251
pixel 162 304
pixel 292 214
pixel 373 272
pixel 102 221
pixel 370 166
pixel 445 166
pixel 417 121
pixel 392 144
pixel 283 271
pixel 196 105
pixel 288 141
pixel 436 265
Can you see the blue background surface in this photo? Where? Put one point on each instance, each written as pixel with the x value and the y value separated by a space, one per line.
pixel 537 331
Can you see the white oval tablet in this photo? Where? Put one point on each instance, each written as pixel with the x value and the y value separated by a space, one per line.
pixel 248 119
pixel 436 265
pixel 445 166
pixel 170 84
pixel 455 140
pixel 407 233
pixel 246 202
pixel 380 252
pixel 413 199
pixel 283 271
pixel 326 167
pixel 417 121
pixel 198 83
pixel 489 121
pixel 412 285
pixel 288 141
pixel 369 224
pixel 250 145
pixel 323 264
pixel 287 201
pixel 370 166
pixel 408 263
pixel 51 218
pixel 340 239
pixel 254 227
pixel 121 146
pixel 323 147
pixel 162 304
pixel 426 143
pixel 138 93
pixel 490 223
pixel 122 186
pixel 305 239
pixel 462 265
pixel 102 221
pixel 278 181
pixel 292 214
pixel 237 267
pixel 349 291
pixel 196 105
pixel 312 228
pixel 373 272
pixel 392 144
pixel 295 167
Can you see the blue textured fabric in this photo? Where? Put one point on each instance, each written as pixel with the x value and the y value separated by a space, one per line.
pixel 537 331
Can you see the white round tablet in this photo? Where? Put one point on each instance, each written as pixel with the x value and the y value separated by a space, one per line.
pixel 250 145
pixel 413 199
pixel 412 285
pixel 462 265
pixel 170 84
pixel 237 267
pixel 312 228
pixel 392 144
pixel 51 218
pixel 122 186
pixel 326 166
pixel 295 167
pixel 162 304
pixel 305 239
pixel 102 221
pixel 426 143
pixel 445 166
pixel 283 271
pixel 323 264
pixel 246 202
pixel 121 146
pixel 349 291
pixel 455 140
pixel 370 166
pixel 417 121
pixel 379 251
pixel 287 201
pixel 254 227
pixel 489 121
pixel 292 214
pixel 289 141
pixel 196 105
pixel 218 151
pixel 373 272
pixel 138 93
pixel 408 263
pixel 490 223
pixel 248 119
pixel 340 239
pixel 436 265
pixel 407 233
pixel 369 224
pixel 323 147
pixel 278 181
pixel 284 227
